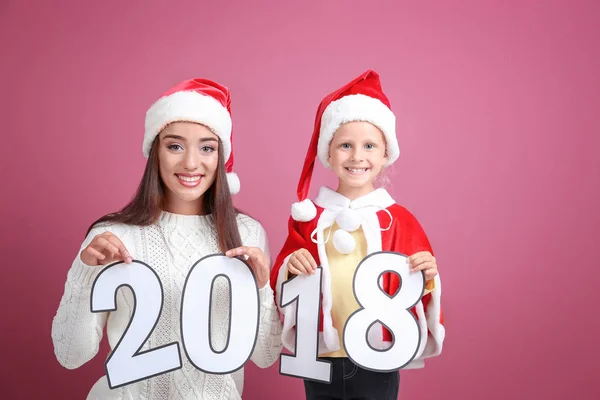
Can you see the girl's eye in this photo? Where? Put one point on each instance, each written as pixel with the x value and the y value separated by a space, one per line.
pixel 174 147
pixel 369 146
pixel 345 145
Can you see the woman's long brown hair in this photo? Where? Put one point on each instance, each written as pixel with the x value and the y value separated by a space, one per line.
pixel 148 203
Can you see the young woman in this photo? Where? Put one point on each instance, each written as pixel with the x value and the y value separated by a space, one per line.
pixel 181 212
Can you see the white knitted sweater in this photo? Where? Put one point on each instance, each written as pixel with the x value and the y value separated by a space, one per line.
pixel 170 247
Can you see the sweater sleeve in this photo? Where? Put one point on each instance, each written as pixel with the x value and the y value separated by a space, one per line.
pixel 76 331
pixel 268 343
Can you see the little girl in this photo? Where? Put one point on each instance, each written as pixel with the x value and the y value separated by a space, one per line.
pixel 181 212
pixel 355 137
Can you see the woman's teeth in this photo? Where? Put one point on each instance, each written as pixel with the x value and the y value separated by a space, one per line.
pixel 189 178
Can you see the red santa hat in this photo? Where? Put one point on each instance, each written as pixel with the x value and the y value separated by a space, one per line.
pixel 360 100
pixel 195 100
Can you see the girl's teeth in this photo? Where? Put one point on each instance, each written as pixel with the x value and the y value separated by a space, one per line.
pixel 357 170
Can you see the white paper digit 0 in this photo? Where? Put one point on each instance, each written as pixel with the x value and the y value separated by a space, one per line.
pixel 127 364
pixel 391 311
pixel 196 308
pixel 305 290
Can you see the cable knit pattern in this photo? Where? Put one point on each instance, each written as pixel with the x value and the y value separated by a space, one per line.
pixel 170 247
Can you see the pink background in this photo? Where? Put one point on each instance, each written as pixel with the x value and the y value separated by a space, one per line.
pixel 498 126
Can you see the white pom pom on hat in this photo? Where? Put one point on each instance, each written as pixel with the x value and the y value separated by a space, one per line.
pixel 234 182
pixel 304 210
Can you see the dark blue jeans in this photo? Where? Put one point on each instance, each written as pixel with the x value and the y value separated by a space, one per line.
pixel 351 382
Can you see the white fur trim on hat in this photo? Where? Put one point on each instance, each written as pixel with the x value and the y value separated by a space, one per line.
pixel 357 107
pixel 188 106
pixel 234 182
pixel 304 211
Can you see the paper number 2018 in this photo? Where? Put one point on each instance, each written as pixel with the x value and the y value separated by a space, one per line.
pixel 128 364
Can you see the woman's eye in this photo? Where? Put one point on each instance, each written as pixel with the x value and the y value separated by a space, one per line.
pixel 174 147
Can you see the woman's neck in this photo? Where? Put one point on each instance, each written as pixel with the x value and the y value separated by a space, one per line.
pixel 182 207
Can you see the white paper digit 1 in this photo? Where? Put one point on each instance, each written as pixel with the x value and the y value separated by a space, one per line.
pixel 391 311
pixel 196 314
pixel 305 290
pixel 127 364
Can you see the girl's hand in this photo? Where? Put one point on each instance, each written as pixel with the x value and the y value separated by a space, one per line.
pixel 105 248
pixel 257 261
pixel 302 262
pixel 424 261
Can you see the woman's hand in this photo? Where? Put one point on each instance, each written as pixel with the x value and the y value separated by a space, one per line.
pixel 257 261
pixel 104 249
